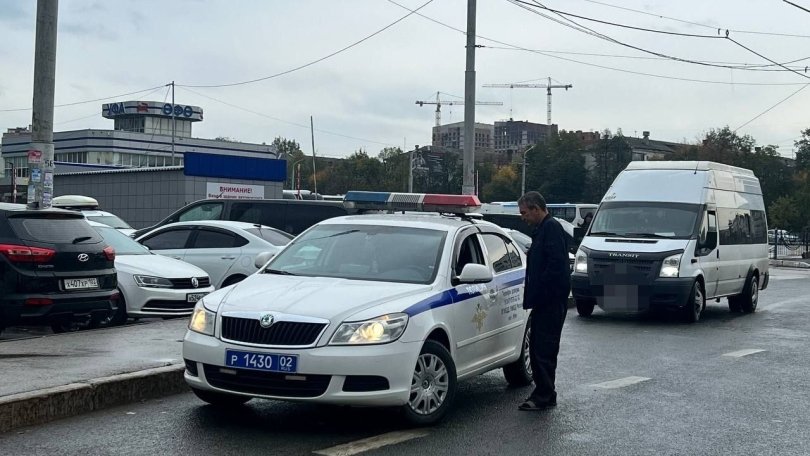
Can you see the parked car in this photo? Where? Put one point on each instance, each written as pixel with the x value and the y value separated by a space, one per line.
pixel 224 250
pixel 56 270
pixel 151 285
pixel 89 207
pixel 289 215
pixel 387 310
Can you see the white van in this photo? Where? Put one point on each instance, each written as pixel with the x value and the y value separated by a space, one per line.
pixel 672 235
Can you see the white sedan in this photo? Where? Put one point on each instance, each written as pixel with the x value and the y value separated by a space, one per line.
pixel 151 285
pixel 369 310
pixel 225 250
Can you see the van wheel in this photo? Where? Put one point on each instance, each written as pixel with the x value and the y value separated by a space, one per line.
pixel 433 385
pixel 519 373
pixel 220 399
pixel 584 307
pixel 232 280
pixel 750 295
pixel 695 304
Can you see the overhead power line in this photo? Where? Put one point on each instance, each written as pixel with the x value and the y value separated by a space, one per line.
pixel 151 89
pixel 660 16
pixel 300 67
pixel 772 107
pixel 306 126
pixel 594 65
pixel 532 7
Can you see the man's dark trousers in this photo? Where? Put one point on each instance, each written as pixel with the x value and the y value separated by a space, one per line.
pixel 547 319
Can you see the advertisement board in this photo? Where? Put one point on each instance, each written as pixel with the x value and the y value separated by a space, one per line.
pixel 218 190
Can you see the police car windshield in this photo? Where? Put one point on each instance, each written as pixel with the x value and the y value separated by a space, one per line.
pixel 646 220
pixel 364 252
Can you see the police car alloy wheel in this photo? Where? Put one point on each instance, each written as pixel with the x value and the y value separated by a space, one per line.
pixel 519 373
pixel 433 386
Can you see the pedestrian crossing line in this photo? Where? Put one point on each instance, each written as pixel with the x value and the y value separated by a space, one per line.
pixel 621 383
pixel 741 353
pixel 372 443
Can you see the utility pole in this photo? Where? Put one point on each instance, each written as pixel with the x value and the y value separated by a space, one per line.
pixel 314 177
pixel 468 178
pixel 410 168
pixel 174 121
pixel 40 156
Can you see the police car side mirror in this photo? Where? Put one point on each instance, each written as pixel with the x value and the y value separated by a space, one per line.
pixel 263 258
pixel 475 273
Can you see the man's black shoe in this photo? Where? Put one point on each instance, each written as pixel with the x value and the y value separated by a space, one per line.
pixel 531 405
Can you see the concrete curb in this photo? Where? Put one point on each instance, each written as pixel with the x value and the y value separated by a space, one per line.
pixel 790 264
pixel 37 407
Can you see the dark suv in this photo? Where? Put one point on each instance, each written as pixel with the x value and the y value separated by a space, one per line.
pixel 55 269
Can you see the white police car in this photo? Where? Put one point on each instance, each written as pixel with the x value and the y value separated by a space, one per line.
pixel 369 310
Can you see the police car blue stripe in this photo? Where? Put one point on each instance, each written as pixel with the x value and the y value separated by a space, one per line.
pixel 452 295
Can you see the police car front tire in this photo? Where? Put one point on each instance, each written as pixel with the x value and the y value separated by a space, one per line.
pixel 433 385
pixel 519 373
pixel 220 399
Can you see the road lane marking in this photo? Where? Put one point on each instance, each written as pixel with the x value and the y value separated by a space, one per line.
pixel 621 383
pixel 741 353
pixel 372 443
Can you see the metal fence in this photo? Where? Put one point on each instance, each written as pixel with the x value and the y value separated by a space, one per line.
pixel 784 245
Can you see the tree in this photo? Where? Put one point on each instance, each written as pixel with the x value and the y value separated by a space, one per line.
pixel 611 155
pixel 505 185
pixel 803 151
pixel 557 169
pixel 291 151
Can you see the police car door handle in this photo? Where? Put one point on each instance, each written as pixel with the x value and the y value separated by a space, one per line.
pixel 228 258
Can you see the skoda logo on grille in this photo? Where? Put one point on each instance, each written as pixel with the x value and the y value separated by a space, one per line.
pixel 83 257
pixel 266 320
pixel 194 282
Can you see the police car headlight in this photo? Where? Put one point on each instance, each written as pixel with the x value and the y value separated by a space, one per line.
pixel 671 266
pixel 581 262
pixel 380 330
pixel 202 320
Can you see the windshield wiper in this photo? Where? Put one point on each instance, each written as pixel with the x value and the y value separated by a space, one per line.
pixel 277 271
pixel 604 233
pixel 82 239
pixel 648 235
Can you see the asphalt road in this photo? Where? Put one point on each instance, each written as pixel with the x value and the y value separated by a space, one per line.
pixel 627 386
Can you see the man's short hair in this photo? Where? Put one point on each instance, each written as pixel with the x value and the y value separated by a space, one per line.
pixel 533 199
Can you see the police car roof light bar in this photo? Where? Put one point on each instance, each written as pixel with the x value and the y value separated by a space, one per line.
pixel 392 201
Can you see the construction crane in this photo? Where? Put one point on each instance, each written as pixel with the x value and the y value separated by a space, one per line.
pixel 439 104
pixel 548 88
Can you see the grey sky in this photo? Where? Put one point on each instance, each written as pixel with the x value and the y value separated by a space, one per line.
pixel 368 92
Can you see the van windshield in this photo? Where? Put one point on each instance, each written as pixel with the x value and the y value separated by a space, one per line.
pixel 646 220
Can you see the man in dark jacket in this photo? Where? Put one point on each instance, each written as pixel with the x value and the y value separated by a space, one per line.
pixel 548 283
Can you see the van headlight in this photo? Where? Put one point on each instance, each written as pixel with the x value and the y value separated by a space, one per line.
pixel 671 266
pixel 581 262
pixel 380 330
pixel 202 320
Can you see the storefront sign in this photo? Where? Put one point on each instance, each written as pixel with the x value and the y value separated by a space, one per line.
pixel 217 190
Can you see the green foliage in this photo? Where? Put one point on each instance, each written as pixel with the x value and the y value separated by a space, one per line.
pixel 557 169
pixel 785 214
pixel 611 155
pixel 505 185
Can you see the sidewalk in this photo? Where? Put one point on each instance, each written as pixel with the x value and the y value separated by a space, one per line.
pixel 56 376
pixel 791 263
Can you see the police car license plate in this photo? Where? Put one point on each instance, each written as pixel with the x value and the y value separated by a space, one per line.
pixel 194 297
pixel 261 361
pixel 81 284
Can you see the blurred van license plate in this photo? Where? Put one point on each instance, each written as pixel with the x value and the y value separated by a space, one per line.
pixel 261 361
pixel 81 284
pixel 194 297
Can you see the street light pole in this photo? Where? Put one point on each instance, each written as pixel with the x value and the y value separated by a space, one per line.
pixel 523 178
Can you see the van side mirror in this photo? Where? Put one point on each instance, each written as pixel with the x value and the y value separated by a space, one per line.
pixel 475 273
pixel 263 258
pixel 707 244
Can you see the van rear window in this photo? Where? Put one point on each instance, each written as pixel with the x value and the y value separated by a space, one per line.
pixel 55 230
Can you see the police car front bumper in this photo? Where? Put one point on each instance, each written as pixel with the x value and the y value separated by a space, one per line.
pixel 367 375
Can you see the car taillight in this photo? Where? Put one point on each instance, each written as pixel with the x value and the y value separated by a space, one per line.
pixel 25 254
pixel 109 252
pixel 38 302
